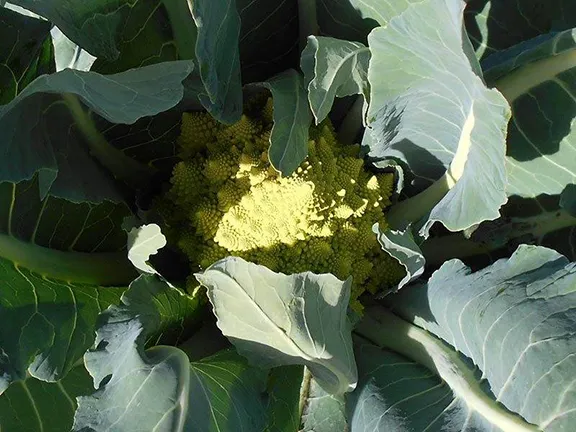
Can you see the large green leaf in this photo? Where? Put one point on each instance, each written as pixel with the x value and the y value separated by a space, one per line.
pixel 514 320
pixel 151 140
pixel 354 19
pixel 39 135
pixel 218 57
pixel 268 37
pixel 301 318
pixel 437 117
pixel 231 390
pixel 494 25
pixel 333 68
pixel 48 323
pixel 292 119
pixel 171 393
pixel 538 79
pixel 25 50
pixel 30 405
pixel 122 34
pixel 57 260
pixel 284 390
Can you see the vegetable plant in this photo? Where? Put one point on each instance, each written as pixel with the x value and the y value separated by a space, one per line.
pixel 330 215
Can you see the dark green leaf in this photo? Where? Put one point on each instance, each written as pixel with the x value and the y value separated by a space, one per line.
pixel 25 50
pixel 495 25
pixel 30 405
pixel 218 57
pixel 39 136
pixel 230 389
pixel 568 199
pixel 284 398
pixel 57 259
pixel 268 38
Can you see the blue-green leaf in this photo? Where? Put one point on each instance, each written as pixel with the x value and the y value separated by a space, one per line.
pixel 292 119
pixel 514 320
pixel 159 388
pixel 401 246
pixel 538 78
pixel 218 57
pixel 333 68
pixel 301 319
pixel 438 117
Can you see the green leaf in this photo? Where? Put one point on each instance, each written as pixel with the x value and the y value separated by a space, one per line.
pixel 401 246
pixel 323 412
pixel 57 260
pixel 568 199
pixel 537 78
pixel 454 134
pixel 218 57
pixel 30 405
pixel 124 33
pixel 39 137
pixel 292 119
pixel 495 25
pixel 397 393
pixel 171 394
pixel 301 319
pixel 144 241
pixel 150 140
pixel 354 19
pixel 268 38
pixel 333 68
pixel 48 324
pixel 230 389
pixel 26 52
pixel 284 398
pixel 513 320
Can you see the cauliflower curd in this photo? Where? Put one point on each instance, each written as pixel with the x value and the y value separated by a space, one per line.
pixel 318 219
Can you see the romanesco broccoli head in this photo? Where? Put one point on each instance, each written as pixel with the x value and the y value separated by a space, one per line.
pixel 318 219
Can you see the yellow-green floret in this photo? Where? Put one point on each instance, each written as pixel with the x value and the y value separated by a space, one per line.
pixel 318 219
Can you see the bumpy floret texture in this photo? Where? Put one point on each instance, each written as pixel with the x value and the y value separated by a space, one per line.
pixel 318 219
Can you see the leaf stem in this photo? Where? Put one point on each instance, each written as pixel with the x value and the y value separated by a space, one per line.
pixel 387 330
pixel 307 21
pixel 418 206
pixel 183 26
pixel 122 167
pixel 101 268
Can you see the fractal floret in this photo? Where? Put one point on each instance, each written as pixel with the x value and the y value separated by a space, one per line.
pixel 319 218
